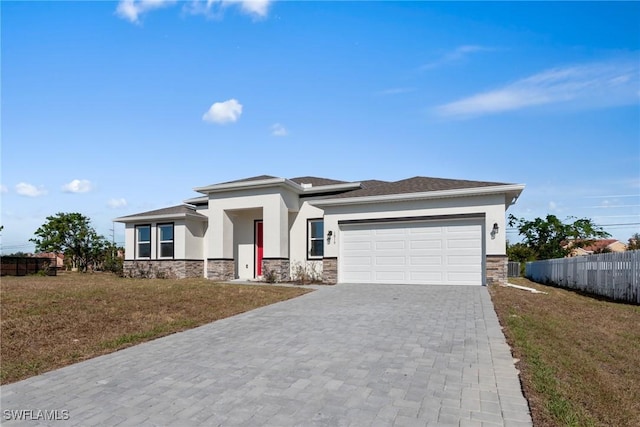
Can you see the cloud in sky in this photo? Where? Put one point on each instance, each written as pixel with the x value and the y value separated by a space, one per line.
pixel 458 54
pixel 278 130
pixel 117 203
pixel 131 10
pixel 228 111
pixel 78 186
pixel 592 85
pixel 3 188
pixel 29 190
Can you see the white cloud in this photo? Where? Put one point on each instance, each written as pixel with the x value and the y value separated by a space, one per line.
pixel 278 130
pixel 3 188
pixel 553 206
pixel 78 186
pixel 117 203
pixel 594 85
pixel 29 190
pixel 223 112
pixel 458 54
pixel 131 10
pixel 215 8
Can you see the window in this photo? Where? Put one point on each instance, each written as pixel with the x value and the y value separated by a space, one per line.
pixel 143 239
pixel 315 236
pixel 165 240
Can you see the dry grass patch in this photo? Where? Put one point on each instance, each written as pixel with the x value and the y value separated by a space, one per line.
pixel 50 322
pixel 580 356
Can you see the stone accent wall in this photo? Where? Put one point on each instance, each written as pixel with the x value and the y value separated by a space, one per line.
pixel 163 269
pixel 330 271
pixel 497 269
pixel 221 269
pixel 280 267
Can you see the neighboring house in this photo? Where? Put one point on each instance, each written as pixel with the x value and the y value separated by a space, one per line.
pixel 415 231
pixel 597 246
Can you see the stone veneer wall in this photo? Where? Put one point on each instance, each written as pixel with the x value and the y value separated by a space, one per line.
pixel 330 271
pixel 280 267
pixel 163 269
pixel 221 269
pixel 497 269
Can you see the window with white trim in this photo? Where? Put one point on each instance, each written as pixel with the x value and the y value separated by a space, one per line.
pixel 315 238
pixel 165 240
pixel 143 241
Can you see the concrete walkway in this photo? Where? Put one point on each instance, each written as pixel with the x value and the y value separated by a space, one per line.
pixel 347 355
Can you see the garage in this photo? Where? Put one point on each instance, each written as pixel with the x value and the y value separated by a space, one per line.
pixel 447 252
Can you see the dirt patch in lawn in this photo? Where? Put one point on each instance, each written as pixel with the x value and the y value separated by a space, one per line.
pixel 579 356
pixel 50 322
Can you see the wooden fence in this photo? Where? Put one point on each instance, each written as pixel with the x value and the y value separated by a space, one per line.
pixel 612 275
pixel 22 266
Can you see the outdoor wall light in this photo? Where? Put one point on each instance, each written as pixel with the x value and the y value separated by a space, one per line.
pixel 329 235
pixel 495 228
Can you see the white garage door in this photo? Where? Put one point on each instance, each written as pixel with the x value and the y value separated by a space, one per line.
pixel 429 253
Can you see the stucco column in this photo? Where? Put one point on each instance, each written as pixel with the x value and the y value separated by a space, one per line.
pixel 219 234
pixel 276 228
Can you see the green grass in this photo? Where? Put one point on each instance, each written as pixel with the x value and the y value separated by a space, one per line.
pixel 579 356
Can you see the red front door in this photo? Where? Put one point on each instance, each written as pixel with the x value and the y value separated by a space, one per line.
pixel 259 248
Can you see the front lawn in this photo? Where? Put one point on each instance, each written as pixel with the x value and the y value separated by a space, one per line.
pixel 50 322
pixel 579 356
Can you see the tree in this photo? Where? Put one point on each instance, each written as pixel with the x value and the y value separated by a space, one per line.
pixel 548 238
pixel 520 252
pixel 634 242
pixel 71 234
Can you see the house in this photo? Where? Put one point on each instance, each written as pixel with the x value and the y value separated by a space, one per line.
pixel 418 230
pixel 596 247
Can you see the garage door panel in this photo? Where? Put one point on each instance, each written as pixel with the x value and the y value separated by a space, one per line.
pixel 354 261
pixel 442 252
pixel 425 260
pixel 390 244
pixel 425 244
pixel 390 260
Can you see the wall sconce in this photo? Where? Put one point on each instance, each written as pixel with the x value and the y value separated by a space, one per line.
pixel 329 235
pixel 494 230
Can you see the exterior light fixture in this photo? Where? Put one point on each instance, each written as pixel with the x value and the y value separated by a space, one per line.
pixel 329 235
pixel 495 228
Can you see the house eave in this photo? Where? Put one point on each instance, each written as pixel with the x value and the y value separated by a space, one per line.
pixel 244 185
pixel 155 218
pixel 511 191
pixel 331 187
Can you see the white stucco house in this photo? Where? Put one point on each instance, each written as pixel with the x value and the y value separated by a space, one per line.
pixel 416 231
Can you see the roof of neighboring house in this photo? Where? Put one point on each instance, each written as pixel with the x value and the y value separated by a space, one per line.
pixel 178 210
pixel 417 184
pixel 598 245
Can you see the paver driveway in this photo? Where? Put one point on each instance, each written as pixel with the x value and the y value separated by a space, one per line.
pixel 369 355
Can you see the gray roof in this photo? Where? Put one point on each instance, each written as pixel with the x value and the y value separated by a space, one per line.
pixel 316 181
pixel 417 184
pixel 253 178
pixel 173 210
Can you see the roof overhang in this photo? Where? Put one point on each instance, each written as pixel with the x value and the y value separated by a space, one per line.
pixel 511 192
pixel 165 217
pixel 273 182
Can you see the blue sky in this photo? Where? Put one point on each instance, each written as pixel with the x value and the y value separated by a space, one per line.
pixel 113 108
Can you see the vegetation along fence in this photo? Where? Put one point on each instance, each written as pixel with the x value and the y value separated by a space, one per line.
pixel 612 275
pixel 22 266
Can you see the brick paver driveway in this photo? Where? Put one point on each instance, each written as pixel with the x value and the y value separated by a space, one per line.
pixel 348 355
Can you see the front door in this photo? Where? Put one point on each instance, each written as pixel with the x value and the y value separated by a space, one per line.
pixel 259 249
